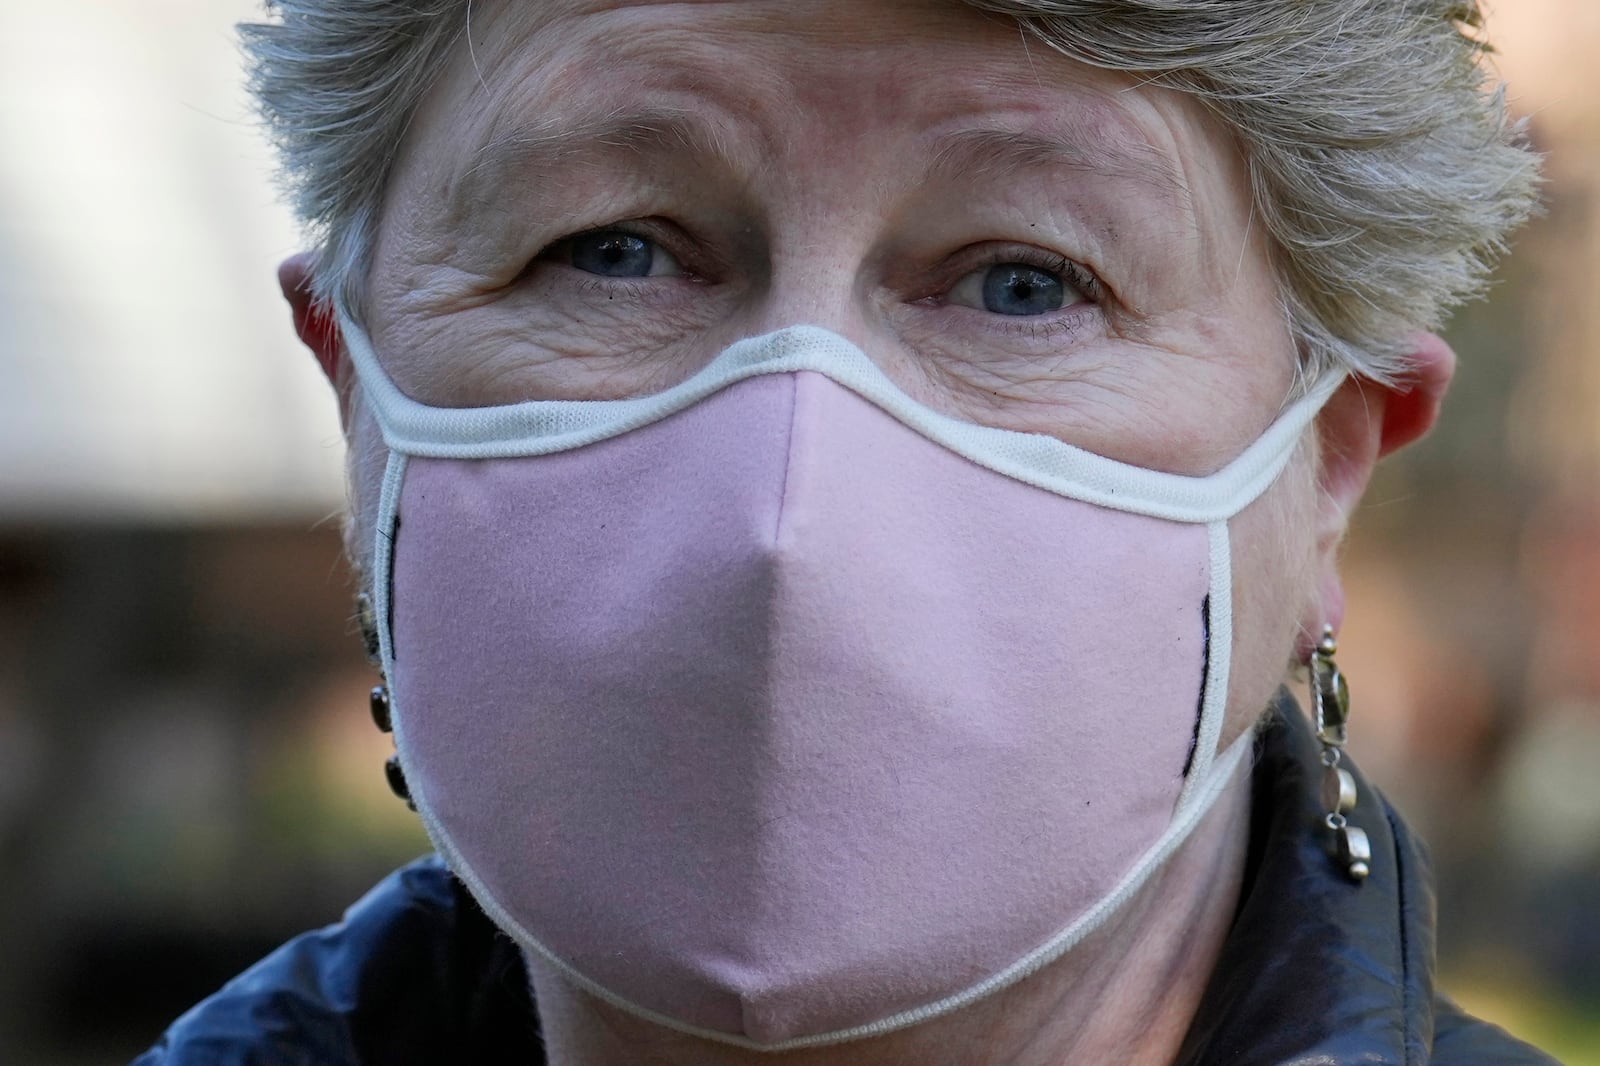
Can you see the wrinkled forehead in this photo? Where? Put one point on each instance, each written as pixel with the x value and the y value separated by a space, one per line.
pixel 533 85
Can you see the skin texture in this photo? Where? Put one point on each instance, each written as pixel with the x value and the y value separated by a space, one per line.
pixel 857 166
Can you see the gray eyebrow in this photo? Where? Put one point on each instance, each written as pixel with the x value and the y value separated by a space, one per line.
pixel 530 148
pixel 533 149
pixel 966 153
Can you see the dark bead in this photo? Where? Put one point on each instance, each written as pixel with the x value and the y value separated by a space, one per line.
pixel 397 780
pixel 379 700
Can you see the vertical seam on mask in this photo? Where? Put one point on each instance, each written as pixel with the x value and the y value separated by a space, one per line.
pixel 788 455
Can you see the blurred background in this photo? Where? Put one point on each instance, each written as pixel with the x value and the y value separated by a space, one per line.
pixel 187 770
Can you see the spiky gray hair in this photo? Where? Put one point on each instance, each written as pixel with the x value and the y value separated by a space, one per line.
pixel 1383 164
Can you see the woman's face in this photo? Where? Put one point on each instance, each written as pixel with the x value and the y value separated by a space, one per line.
pixel 598 196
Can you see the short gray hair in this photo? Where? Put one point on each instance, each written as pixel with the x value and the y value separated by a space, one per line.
pixel 1384 167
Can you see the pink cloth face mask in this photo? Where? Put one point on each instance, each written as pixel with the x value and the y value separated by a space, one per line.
pixel 781 710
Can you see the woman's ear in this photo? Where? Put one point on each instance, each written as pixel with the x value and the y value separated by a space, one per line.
pixel 1362 423
pixel 316 325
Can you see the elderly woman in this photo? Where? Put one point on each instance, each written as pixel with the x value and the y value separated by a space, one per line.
pixel 839 488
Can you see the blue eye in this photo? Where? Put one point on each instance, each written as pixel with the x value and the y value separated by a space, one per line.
pixel 1019 289
pixel 616 254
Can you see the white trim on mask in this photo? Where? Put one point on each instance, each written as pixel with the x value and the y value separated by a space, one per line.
pixel 541 427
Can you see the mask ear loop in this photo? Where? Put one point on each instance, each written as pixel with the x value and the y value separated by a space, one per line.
pixel 385 529
pixel 1219 630
pixel 380 394
pixel 374 609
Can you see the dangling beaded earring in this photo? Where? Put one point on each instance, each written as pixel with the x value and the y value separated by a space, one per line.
pixel 1330 698
pixel 378 699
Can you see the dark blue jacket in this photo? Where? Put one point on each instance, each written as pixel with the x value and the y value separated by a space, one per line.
pixel 1316 971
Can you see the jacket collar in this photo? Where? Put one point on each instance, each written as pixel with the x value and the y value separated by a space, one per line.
pixel 1319 969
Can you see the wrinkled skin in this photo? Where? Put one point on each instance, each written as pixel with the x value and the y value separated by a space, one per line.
pixel 873 169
